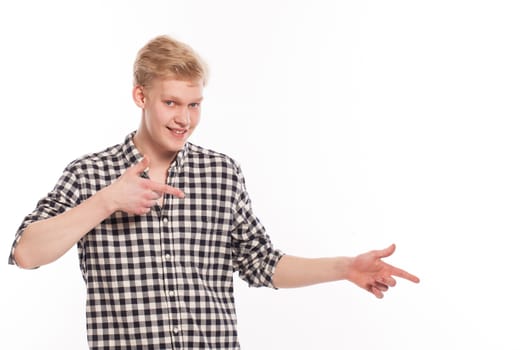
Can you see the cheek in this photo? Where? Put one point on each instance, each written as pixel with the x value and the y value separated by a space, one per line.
pixel 195 118
pixel 156 117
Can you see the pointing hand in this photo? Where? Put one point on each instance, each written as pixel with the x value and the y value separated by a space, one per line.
pixel 136 195
pixel 370 272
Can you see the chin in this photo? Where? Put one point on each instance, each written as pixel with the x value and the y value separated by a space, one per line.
pixel 176 147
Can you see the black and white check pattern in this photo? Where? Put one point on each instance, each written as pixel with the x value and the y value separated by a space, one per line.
pixel 164 280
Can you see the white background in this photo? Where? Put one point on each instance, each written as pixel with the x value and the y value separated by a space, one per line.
pixel 357 124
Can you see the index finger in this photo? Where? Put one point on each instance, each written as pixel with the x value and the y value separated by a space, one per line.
pixel 403 274
pixel 164 188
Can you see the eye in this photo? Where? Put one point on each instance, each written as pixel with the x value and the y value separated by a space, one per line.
pixel 194 105
pixel 169 103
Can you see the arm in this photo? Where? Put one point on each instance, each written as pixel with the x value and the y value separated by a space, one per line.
pixel 46 240
pixel 367 271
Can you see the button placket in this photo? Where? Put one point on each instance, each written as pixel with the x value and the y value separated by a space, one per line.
pixel 165 222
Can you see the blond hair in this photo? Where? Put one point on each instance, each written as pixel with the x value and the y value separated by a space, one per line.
pixel 164 57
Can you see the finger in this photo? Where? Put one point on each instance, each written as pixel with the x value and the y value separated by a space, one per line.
pixel 384 253
pixel 403 274
pixel 388 281
pixel 142 211
pixel 141 166
pixel 381 286
pixel 153 195
pixel 163 188
pixel 378 294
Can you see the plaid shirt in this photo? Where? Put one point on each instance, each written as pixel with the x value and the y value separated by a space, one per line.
pixel 164 280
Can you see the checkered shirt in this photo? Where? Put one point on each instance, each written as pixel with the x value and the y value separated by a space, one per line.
pixel 164 280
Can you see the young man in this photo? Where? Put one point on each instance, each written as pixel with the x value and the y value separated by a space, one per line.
pixel 162 224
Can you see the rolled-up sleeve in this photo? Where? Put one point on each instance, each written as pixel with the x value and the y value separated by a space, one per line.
pixel 254 256
pixel 65 195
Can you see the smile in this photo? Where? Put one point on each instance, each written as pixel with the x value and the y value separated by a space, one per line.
pixel 177 131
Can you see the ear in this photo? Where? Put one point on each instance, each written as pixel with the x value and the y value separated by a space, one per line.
pixel 139 96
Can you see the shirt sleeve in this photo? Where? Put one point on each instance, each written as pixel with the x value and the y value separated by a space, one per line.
pixel 254 256
pixel 65 195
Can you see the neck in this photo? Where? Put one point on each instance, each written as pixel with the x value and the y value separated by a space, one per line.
pixel 158 158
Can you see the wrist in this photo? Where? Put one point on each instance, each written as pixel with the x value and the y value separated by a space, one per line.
pixel 106 201
pixel 343 267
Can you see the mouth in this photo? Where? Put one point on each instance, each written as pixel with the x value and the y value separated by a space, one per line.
pixel 178 132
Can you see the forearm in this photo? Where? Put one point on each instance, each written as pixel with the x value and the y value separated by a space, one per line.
pixel 292 271
pixel 45 241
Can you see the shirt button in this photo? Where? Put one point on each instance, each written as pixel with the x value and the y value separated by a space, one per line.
pixel 171 293
pixel 168 257
pixel 176 330
pixel 165 220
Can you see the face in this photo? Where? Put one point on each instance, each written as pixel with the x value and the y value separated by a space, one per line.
pixel 170 114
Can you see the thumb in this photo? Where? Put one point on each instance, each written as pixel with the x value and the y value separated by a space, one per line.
pixel 387 251
pixel 141 166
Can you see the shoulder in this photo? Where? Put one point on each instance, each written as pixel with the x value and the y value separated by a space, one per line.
pixel 109 158
pixel 200 156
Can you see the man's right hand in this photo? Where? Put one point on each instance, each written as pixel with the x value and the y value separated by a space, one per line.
pixel 136 195
pixel 46 240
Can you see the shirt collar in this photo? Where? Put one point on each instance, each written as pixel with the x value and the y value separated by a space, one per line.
pixel 133 155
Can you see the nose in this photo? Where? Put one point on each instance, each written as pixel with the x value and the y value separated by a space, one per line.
pixel 182 117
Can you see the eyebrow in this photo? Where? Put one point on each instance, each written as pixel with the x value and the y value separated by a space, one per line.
pixel 177 99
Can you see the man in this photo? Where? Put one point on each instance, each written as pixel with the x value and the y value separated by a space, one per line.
pixel 162 224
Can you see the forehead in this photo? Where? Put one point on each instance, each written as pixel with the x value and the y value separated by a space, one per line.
pixel 176 88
